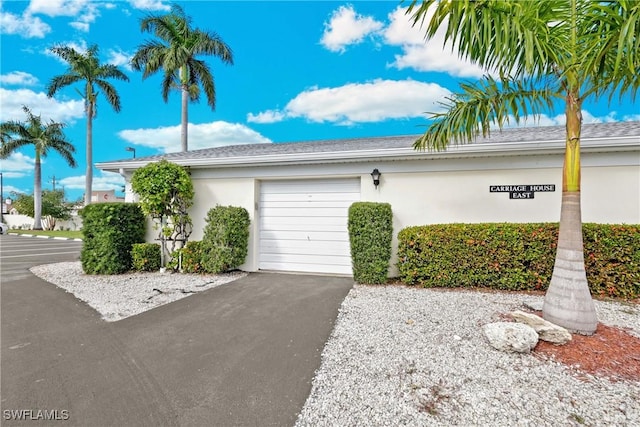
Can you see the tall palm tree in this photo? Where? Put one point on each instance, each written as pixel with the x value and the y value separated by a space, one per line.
pixel 44 137
pixel 86 68
pixel 555 51
pixel 175 52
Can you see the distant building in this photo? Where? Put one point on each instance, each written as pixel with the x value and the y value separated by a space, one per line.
pixel 105 197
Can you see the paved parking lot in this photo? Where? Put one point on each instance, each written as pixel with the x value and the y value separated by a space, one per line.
pixel 19 253
pixel 242 354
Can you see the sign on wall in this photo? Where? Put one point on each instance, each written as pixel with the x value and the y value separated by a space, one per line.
pixel 521 191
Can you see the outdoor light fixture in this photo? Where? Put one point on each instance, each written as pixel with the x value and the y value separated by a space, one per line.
pixel 376 177
pixel 133 150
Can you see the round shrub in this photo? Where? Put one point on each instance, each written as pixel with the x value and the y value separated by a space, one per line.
pixel 145 256
pixel 109 231
pixel 226 239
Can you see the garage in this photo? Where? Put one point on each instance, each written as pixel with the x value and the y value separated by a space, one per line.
pixel 303 225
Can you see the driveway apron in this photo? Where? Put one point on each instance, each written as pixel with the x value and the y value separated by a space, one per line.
pixel 241 354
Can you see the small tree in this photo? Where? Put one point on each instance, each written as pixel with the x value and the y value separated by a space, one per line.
pixel 166 194
pixel 54 207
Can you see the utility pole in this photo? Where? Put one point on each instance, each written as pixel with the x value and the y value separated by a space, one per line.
pixel 53 180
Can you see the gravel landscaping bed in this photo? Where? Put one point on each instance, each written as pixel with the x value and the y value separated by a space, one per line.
pixel 119 296
pixel 417 357
pixel 401 356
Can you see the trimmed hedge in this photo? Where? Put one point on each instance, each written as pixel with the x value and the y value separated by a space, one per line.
pixel 226 238
pixel 109 232
pixel 191 258
pixel 145 256
pixel 370 232
pixel 517 256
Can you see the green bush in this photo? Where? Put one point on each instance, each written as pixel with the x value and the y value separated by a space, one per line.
pixel 191 256
pixel 226 238
pixel 517 256
pixel 109 232
pixel 370 232
pixel 145 256
pixel 612 259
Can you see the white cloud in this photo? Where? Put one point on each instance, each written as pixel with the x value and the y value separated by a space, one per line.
pixel 17 165
pixel 205 135
pixel 346 27
pixel 39 104
pixel 80 26
pixel 8 190
pixel 559 120
pixel 103 181
pixel 26 25
pixel 57 7
pixel 119 58
pixel 374 101
pixel 424 56
pixel 85 11
pixel 18 78
pixel 149 4
pixel 269 116
pixel 631 117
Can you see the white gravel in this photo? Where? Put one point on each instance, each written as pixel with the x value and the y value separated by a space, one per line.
pixel 119 296
pixel 416 357
pixel 402 356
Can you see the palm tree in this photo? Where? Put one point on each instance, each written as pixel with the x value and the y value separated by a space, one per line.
pixel 175 52
pixel 546 52
pixel 44 137
pixel 86 68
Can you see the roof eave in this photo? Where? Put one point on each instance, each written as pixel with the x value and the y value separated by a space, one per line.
pixel 456 151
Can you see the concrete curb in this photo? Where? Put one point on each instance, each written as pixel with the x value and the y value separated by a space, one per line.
pixel 45 237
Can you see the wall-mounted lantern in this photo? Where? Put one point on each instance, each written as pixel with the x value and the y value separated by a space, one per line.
pixel 376 177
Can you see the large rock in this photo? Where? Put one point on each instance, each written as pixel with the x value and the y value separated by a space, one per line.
pixel 546 330
pixel 511 337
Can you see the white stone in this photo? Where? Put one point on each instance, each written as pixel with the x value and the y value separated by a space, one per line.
pixel 511 337
pixel 533 305
pixel 546 330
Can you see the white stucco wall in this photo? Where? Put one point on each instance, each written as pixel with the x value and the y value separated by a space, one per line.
pixel 464 197
pixel 226 192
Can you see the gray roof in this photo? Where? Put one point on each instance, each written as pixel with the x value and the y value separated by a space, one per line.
pixel 528 134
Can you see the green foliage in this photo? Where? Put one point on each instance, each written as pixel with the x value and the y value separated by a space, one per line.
pixel 109 232
pixel 166 194
pixel 53 204
pixel 612 259
pixel 517 256
pixel 370 232
pixel 191 255
pixel 145 256
pixel 164 188
pixel 226 238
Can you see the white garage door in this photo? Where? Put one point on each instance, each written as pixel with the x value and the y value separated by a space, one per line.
pixel 303 225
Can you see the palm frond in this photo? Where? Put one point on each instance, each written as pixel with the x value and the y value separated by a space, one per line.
pixel 611 48
pixel 511 37
pixel 110 94
pixel 481 105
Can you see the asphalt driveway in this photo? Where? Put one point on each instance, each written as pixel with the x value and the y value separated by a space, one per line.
pixel 241 354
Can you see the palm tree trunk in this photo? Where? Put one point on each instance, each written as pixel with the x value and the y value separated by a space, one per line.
pixel 37 193
pixel 568 302
pixel 89 171
pixel 185 118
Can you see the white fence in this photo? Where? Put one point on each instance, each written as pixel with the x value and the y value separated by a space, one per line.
pixel 24 222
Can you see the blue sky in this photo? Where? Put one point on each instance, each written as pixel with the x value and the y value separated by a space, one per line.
pixel 303 71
